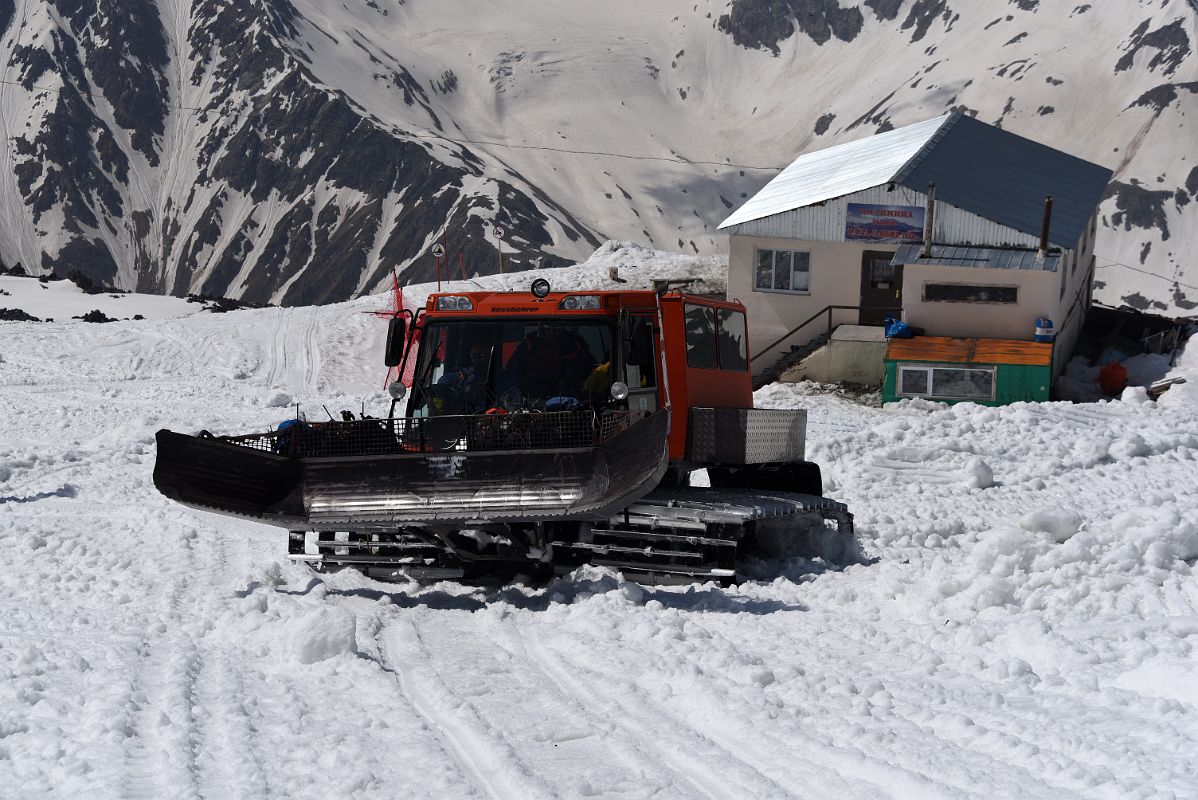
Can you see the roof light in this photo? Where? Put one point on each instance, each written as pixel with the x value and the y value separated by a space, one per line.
pixel 454 302
pixel 579 302
pixel 540 287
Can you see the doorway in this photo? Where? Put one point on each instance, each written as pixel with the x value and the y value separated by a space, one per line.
pixel 881 287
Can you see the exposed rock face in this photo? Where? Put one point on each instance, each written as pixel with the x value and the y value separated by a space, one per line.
pixel 764 23
pixel 219 162
pixel 294 151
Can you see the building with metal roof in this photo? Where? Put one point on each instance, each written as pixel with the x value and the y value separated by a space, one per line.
pixel 960 228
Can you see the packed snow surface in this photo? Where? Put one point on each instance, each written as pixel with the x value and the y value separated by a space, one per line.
pixel 1025 624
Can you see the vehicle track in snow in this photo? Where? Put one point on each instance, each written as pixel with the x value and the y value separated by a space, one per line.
pixel 706 762
pixel 227 765
pixel 987 737
pixel 570 734
pixel 694 757
pixel 489 762
pixel 803 724
pixel 275 372
pixel 188 727
pixel 294 359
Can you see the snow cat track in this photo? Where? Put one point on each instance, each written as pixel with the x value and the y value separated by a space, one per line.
pixel 680 535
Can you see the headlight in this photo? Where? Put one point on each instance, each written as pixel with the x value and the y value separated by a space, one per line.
pixel 580 302
pixel 454 302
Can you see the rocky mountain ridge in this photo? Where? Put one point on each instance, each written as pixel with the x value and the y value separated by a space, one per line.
pixel 295 152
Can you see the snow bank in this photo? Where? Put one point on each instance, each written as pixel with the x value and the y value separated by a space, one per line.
pixel 637 267
pixel 320 635
pixel 1060 523
pixel 63 300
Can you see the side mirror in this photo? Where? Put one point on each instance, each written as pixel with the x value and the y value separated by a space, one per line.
pixel 397 338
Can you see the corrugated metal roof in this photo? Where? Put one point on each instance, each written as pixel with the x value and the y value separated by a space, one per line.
pixel 1005 178
pixel 976 167
pixel 986 257
pixel 836 171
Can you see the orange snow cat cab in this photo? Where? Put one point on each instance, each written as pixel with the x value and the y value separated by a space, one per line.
pixel 542 430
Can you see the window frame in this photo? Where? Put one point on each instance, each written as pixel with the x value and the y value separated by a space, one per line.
pixel 742 347
pixel 924 294
pixel 691 344
pixel 929 369
pixel 716 310
pixel 757 251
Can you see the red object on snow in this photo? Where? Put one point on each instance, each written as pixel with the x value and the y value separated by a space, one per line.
pixel 1112 379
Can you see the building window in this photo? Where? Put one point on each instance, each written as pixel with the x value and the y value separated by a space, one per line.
pixel 716 338
pixel 968 293
pixel 783 271
pixel 946 382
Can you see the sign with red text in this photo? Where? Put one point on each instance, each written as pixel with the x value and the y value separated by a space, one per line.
pixel 871 223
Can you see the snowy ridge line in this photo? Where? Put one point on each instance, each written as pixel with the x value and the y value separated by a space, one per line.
pixel 494 767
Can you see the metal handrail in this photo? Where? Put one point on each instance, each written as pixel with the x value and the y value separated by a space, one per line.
pixel 825 310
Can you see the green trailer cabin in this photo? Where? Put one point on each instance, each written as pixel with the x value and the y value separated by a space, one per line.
pixel 990 372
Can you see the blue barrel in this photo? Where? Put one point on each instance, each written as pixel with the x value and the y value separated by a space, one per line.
pixel 1044 331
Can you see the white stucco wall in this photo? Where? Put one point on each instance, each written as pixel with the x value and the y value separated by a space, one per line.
pixel 835 280
pixel 1036 298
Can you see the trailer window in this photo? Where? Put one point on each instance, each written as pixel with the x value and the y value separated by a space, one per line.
pixel 945 382
pixel 733 340
pixel 700 337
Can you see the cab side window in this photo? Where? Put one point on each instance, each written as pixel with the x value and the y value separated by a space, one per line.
pixel 700 337
pixel 639 365
pixel 716 338
pixel 733 340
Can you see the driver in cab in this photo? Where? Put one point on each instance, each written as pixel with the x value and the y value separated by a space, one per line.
pixel 470 381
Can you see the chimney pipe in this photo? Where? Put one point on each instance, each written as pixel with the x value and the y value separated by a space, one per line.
pixel 929 220
pixel 1044 226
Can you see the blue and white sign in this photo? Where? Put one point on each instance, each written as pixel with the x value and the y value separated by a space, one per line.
pixel 871 223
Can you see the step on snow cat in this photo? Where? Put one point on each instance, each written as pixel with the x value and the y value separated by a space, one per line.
pixel 543 431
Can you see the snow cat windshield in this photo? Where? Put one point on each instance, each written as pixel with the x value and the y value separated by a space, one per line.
pixel 471 367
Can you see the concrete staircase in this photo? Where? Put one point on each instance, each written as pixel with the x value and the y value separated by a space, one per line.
pixel 788 360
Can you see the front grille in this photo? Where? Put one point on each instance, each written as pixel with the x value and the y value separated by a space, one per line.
pixel 477 433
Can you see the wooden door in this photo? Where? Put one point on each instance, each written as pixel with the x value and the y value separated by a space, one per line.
pixel 881 287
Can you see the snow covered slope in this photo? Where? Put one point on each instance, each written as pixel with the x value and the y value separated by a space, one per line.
pixel 296 151
pixel 1027 624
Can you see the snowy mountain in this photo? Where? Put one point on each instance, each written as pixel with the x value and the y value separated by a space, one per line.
pixel 1026 624
pixel 296 152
